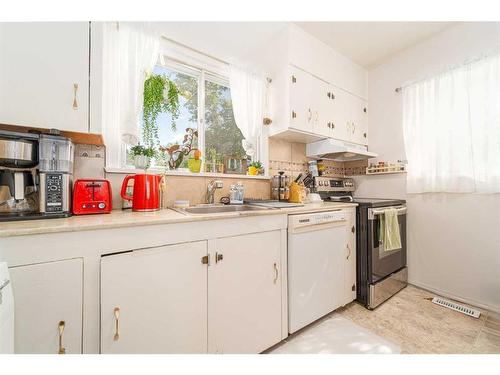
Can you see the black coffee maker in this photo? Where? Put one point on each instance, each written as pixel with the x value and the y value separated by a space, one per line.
pixel 29 165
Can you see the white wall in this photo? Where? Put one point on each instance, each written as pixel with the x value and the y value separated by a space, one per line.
pixel 453 239
pixel 244 42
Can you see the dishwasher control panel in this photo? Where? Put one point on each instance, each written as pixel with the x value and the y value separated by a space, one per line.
pixel 303 220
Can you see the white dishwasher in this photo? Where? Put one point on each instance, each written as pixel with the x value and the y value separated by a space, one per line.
pixel 316 257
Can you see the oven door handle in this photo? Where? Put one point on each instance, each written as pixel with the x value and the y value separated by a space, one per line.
pixel 372 213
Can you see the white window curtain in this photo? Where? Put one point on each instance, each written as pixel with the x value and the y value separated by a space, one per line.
pixel 248 94
pixel 130 51
pixel 452 130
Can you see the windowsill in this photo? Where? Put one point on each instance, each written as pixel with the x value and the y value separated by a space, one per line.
pixel 184 173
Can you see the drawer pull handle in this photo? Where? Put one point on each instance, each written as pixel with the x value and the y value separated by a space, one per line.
pixel 349 254
pixel 218 257
pixel 116 337
pixel 62 325
pixel 276 273
pixel 75 90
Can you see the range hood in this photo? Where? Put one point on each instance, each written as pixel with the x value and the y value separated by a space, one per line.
pixel 332 149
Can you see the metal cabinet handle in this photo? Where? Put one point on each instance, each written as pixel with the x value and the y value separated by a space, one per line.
pixel 75 90
pixel 276 273
pixel 294 114
pixel 349 254
pixel 62 325
pixel 353 128
pixel 309 118
pixel 116 311
pixel 219 257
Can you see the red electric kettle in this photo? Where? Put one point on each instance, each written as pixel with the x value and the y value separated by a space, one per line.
pixel 146 193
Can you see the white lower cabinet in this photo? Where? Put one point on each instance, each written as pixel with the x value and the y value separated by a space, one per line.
pixel 216 296
pixel 155 300
pixel 244 303
pixel 48 307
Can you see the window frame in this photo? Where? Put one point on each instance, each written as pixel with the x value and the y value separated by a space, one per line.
pixel 203 74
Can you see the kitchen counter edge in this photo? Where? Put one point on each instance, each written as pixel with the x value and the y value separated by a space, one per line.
pixel 125 218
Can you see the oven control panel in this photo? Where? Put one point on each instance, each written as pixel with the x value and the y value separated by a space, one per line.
pixel 327 184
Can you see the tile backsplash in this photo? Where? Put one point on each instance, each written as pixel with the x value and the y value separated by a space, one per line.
pixel 291 158
pixel 284 156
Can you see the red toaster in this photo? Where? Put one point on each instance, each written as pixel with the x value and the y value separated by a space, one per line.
pixel 92 196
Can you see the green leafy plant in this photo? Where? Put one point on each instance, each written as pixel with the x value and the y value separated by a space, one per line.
pixel 256 164
pixel 142 150
pixel 156 87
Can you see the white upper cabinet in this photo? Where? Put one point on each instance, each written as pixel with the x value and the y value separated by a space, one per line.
pixel 312 55
pixel 44 75
pixel 351 118
pixel 318 93
pixel 302 102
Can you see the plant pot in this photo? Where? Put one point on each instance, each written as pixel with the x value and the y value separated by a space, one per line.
pixel 142 161
pixel 252 171
pixel 194 165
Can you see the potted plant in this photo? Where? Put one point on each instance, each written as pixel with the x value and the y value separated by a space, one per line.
pixel 194 163
pixel 254 168
pixel 176 152
pixel 142 156
pixel 160 95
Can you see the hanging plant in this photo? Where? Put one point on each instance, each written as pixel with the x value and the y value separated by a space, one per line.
pixel 160 95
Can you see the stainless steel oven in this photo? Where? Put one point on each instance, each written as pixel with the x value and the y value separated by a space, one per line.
pixel 380 273
pixel 383 262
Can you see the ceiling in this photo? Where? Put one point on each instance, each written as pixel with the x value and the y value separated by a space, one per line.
pixel 370 43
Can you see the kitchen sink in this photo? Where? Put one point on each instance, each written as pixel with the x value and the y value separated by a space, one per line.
pixel 215 209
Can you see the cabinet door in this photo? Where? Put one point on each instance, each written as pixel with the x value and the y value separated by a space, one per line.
pixel 40 65
pixel 350 261
pixel 245 294
pixel 155 300
pixel 323 109
pixel 48 295
pixel 359 121
pixel 301 108
pixel 341 114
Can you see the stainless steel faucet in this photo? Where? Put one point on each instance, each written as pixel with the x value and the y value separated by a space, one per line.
pixel 211 187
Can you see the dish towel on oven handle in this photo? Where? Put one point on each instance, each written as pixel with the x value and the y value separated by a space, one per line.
pixel 390 237
pixel 6 312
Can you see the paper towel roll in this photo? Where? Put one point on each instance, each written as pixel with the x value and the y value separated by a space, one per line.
pixel 6 312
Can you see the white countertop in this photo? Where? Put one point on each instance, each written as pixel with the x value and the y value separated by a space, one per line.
pixel 127 218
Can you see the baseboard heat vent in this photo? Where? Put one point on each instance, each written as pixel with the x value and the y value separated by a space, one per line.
pixel 457 307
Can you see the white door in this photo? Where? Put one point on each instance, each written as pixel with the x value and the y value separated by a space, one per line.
pixel 48 307
pixel 301 106
pixel 316 262
pixel 44 74
pixel 155 300
pixel 350 260
pixel 244 314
